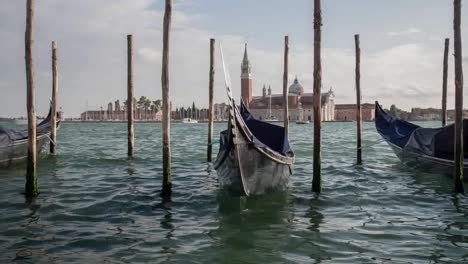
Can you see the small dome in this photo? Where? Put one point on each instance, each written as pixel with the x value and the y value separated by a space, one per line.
pixel 296 88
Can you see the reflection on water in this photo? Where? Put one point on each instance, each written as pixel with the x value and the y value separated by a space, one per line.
pixel 97 206
pixel 252 225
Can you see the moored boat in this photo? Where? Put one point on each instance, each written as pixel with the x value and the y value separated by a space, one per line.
pixel 426 149
pixel 14 143
pixel 254 156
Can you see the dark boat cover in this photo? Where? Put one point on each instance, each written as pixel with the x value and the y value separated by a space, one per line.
pixel 435 142
pixel 265 134
pixel 9 136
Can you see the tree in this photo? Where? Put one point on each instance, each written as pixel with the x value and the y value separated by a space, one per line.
pixel 147 107
pixel 141 104
pixel 394 111
pixel 193 110
pixel 157 104
pixel 117 106
pixel 189 112
pixel 125 103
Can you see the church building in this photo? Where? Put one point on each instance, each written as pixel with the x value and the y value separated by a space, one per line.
pixel 269 106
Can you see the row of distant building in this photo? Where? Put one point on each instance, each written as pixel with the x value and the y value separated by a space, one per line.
pixel 342 112
pixel 269 106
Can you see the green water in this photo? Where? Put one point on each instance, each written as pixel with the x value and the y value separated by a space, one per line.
pixel 96 206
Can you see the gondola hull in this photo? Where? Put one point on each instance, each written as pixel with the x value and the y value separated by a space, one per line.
pixel 18 151
pixel 250 162
pixel 426 163
pixel 252 172
pixel 14 143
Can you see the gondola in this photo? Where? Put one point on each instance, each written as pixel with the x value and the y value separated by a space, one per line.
pixel 424 149
pixel 254 156
pixel 14 143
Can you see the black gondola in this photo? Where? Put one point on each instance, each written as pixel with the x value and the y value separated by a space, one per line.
pixel 14 143
pixel 425 149
pixel 254 156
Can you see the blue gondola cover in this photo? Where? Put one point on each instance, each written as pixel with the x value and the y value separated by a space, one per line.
pixel 434 142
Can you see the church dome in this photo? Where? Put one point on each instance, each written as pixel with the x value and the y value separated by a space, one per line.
pixel 296 88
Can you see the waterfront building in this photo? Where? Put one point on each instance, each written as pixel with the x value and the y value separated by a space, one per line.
pixel 221 112
pixel 426 114
pixel 347 112
pixel 120 115
pixel 269 106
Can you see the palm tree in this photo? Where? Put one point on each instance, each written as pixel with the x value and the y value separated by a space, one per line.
pixel 125 103
pixel 147 105
pixel 157 104
pixel 141 104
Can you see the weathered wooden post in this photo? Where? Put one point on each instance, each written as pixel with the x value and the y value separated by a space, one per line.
pixel 31 188
pixel 317 178
pixel 211 107
pixel 130 106
pixel 53 134
pixel 358 100
pixel 444 83
pixel 285 86
pixel 459 154
pixel 167 179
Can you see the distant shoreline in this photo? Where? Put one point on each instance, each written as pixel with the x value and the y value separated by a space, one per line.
pixel 172 121
pixel 125 122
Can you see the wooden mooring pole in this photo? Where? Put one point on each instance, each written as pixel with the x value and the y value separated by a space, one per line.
pixel 444 83
pixel 53 134
pixel 167 179
pixel 459 154
pixel 358 100
pixel 317 166
pixel 31 188
pixel 285 86
pixel 211 106
pixel 130 106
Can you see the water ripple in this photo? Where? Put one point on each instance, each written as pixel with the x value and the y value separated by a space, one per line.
pixel 98 206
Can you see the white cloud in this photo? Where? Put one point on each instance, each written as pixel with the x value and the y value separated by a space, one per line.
pixel 92 60
pixel 149 54
pixel 406 32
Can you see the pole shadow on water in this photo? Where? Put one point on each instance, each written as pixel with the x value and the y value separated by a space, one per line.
pixel 51 163
pixel 251 225
pixel 131 166
pixel 312 206
pixel 420 179
pixel 458 207
pixel 167 224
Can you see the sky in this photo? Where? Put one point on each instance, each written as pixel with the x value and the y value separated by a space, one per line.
pixel 402 49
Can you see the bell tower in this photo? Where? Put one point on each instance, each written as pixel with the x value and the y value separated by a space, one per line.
pixel 246 79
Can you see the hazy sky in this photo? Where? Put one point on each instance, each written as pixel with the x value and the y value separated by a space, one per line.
pixel 402 49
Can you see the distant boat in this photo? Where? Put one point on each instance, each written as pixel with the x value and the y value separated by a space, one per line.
pixel 427 149
pixel 303 122
pixel 14 143
pixel 189 121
